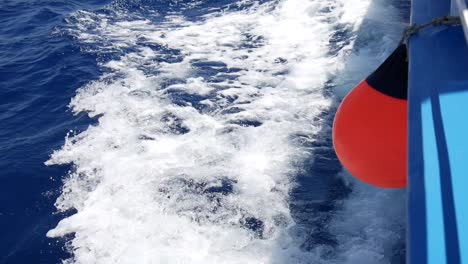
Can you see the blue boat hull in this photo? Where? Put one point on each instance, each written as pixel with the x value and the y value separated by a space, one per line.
pixel 438 139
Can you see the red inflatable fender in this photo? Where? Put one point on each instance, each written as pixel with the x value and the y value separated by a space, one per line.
pixel 370 126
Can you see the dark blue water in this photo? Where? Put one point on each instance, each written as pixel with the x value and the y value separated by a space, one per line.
pixel 40 71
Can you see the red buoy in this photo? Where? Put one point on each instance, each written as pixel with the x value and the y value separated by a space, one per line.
pixel 370 126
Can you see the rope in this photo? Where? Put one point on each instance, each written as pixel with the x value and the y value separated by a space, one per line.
pixel 440 21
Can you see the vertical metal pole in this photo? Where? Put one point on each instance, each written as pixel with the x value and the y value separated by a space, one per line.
pixel 461 5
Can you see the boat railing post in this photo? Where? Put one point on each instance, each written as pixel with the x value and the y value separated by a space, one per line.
pixel 462 7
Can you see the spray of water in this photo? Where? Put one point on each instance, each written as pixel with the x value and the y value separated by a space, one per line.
pixel 191 159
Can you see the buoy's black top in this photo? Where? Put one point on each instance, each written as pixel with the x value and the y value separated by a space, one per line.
pixel 391 78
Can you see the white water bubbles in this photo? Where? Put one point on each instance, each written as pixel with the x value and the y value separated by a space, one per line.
pixel 191 159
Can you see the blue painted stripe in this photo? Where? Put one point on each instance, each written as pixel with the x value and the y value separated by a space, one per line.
pixel 450 222
pixel 434 210
pixel 456 128
pixel 417 219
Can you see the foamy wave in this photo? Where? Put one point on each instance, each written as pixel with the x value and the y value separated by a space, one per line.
pixel 191 160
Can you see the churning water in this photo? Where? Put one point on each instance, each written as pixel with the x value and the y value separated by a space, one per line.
pixel 209 133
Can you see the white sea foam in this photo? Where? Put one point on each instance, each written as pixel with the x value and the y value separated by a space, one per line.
pixel 191 160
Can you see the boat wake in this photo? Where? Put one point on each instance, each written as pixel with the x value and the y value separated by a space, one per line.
pixel 205 115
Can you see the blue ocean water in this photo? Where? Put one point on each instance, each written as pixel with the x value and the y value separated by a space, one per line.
pixel 50 49
pixel 38 75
